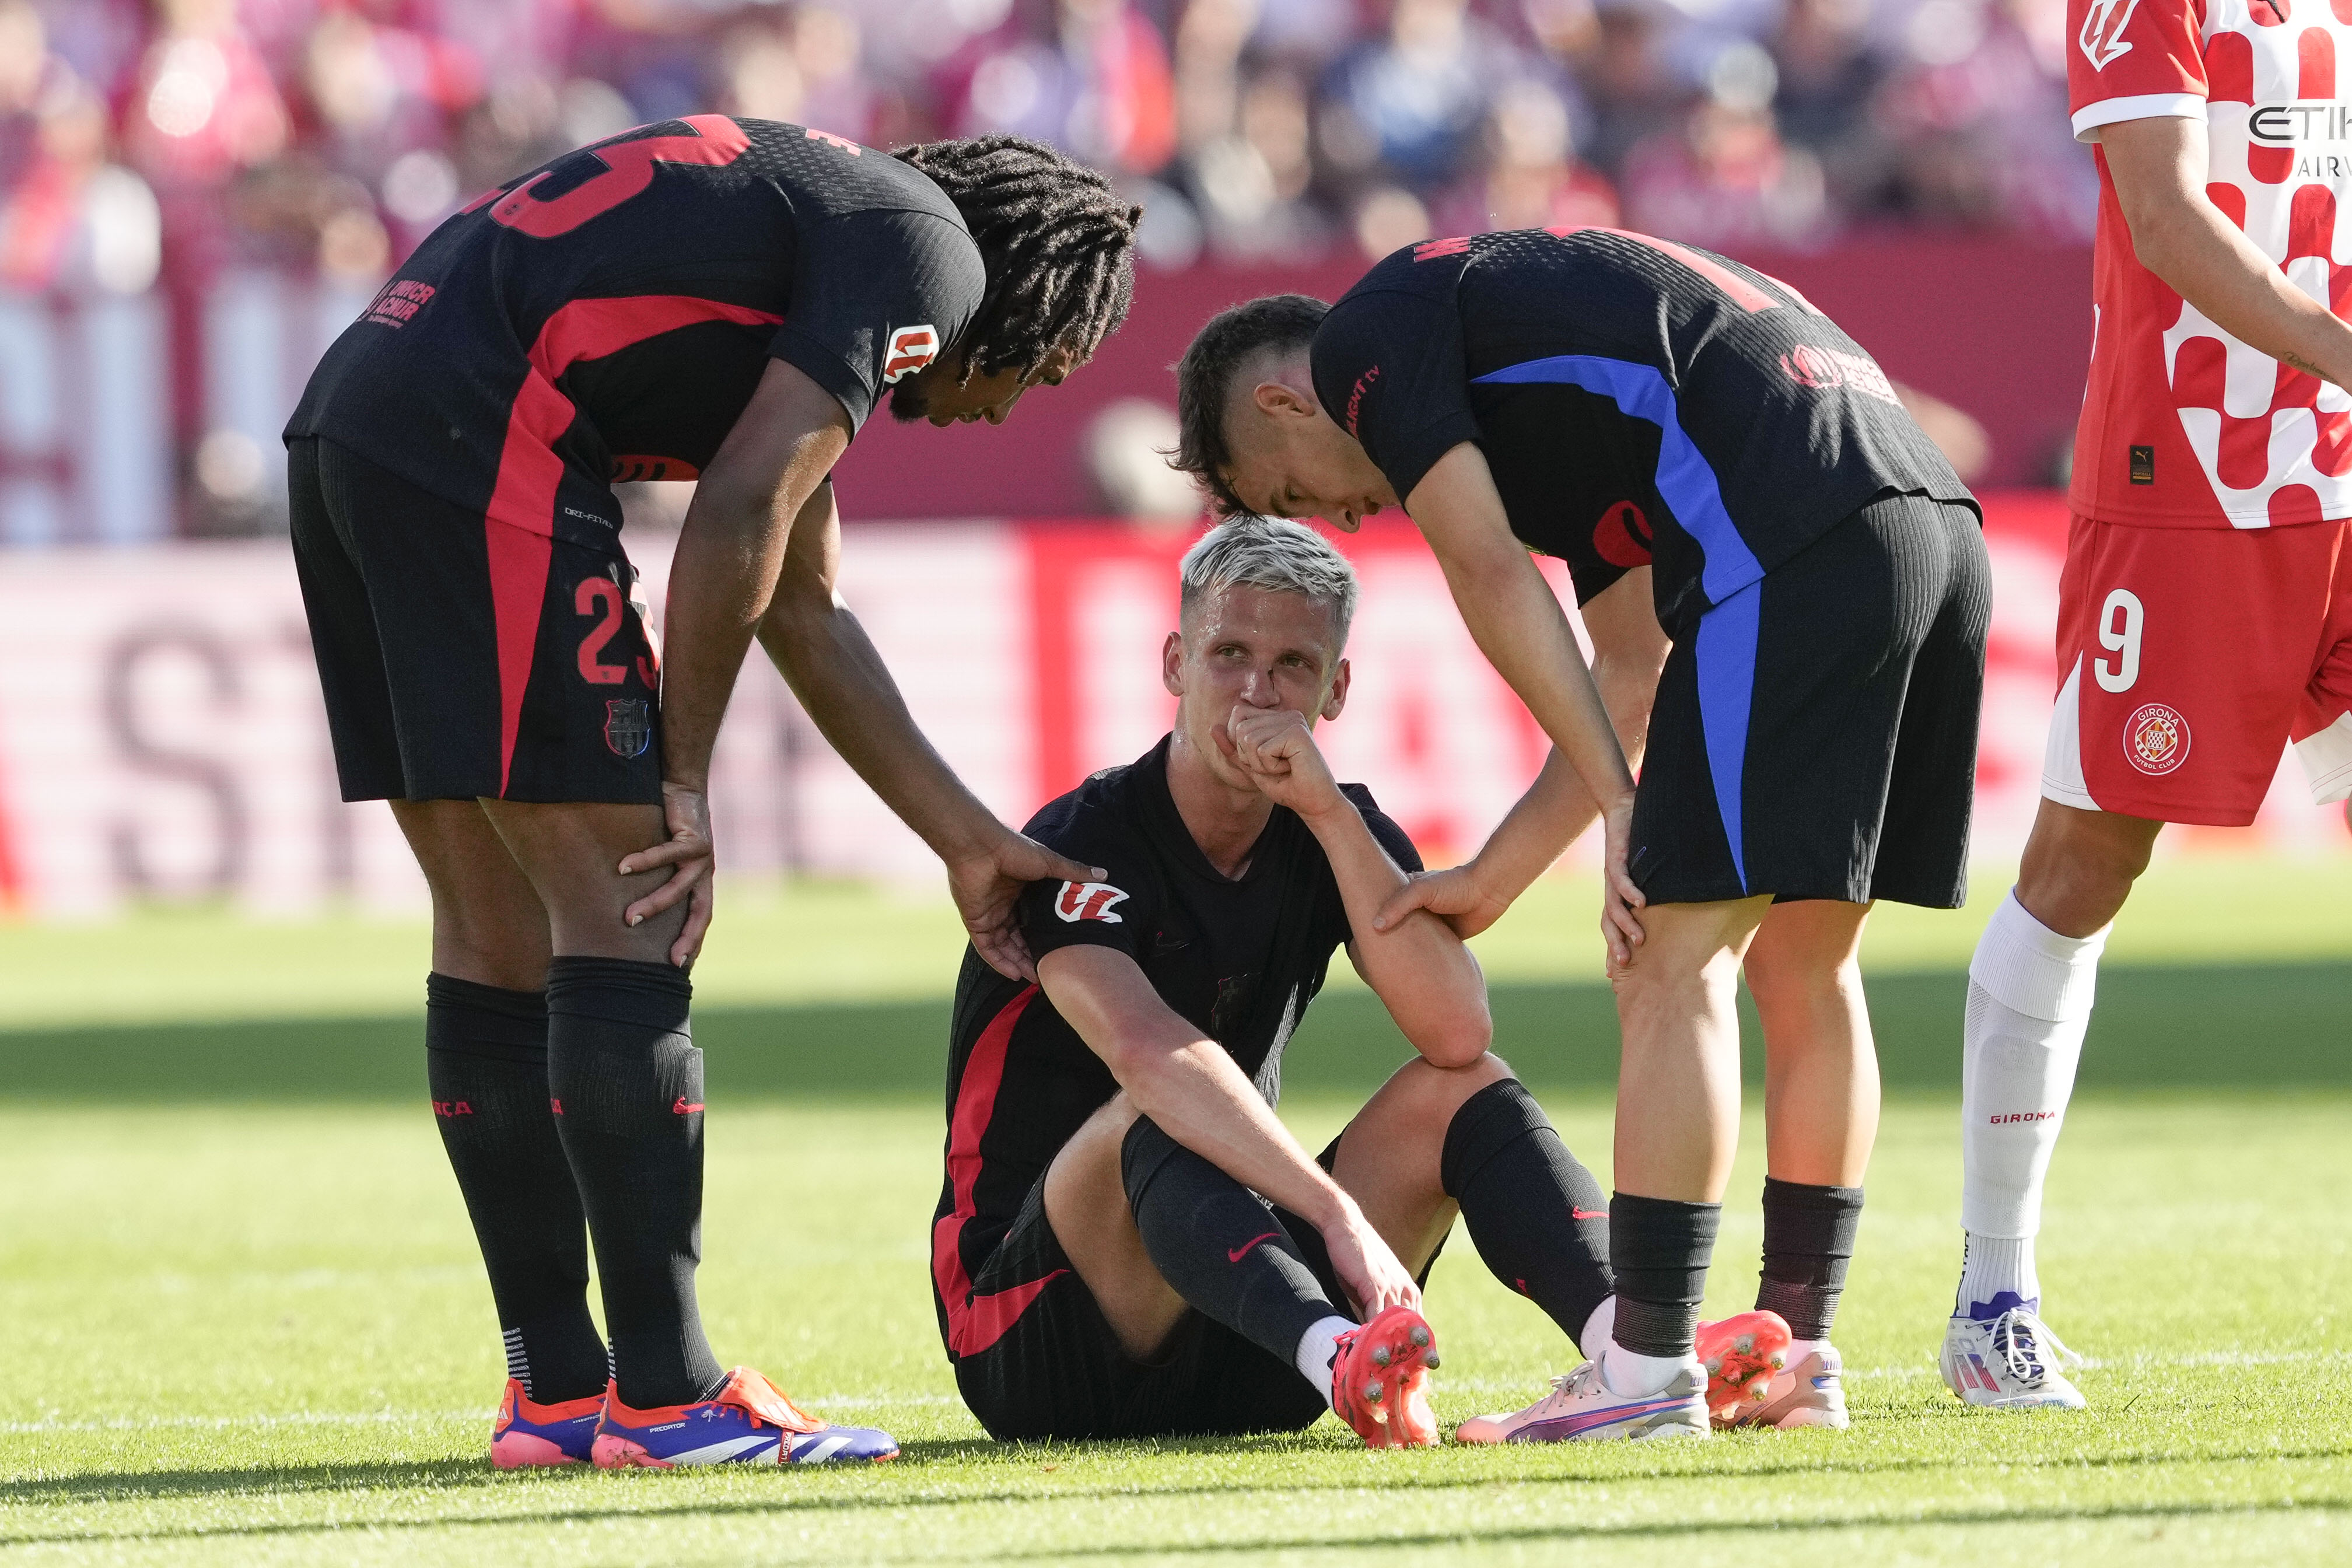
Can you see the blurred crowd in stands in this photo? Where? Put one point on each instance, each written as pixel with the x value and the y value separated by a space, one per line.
pixel 192 134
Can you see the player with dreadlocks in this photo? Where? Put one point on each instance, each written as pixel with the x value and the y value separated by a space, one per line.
pixel 708 298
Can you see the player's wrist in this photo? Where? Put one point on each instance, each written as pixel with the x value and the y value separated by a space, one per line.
pixel 1333 810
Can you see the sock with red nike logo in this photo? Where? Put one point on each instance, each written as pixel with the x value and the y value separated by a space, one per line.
pixel 486 1063
pixel 623 1064
pixel 1220 1247
pixel 1539 1220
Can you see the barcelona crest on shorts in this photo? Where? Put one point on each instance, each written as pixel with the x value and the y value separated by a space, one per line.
pixel 628 726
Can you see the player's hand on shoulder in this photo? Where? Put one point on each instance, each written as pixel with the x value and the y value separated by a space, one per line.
pixel 985 886
pixel 1276 749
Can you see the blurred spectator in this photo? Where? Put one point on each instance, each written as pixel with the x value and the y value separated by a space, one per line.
pixel 205 106
pixel 1092 75
pixel 1413 100
pixel 1724 178
pixel 1975 122
pixel 75 220
pixel 334 134
pixel 1532 179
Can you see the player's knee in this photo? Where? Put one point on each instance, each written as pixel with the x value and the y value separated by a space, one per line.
pixel 1434 1092
pixel 1801 979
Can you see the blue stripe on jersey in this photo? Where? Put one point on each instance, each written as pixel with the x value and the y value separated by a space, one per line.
pixel 1686 481
pixel 1726 655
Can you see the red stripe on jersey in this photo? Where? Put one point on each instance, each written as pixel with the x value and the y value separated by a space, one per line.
pixel 1744 294
pixel 591 329
pixel 523 501
pixel 976 1322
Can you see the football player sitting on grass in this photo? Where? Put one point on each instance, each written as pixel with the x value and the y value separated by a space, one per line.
pixel 1130 1243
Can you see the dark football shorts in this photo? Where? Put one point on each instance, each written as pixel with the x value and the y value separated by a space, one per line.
pixel 462 657
pixel 1816 737
pixel 1059 1369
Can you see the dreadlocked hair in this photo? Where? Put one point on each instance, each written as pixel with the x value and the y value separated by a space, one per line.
pixel 1057 239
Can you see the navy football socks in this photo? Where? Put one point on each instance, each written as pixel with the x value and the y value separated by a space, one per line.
pixel 1809 1234
pixel 627 1085
pixel 1219 1244
pixel 1538 1217
pixel 486 1061
pixel 1659 1249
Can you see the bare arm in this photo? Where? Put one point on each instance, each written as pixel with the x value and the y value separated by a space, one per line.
pixel 1190 1087
pixel 1628 649
pixel 832 669
pixel 729 554
pixel 1424 976
pixel 1525 634
pixel 2160 167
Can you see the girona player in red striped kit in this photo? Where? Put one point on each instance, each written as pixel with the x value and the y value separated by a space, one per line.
pixel 2205 612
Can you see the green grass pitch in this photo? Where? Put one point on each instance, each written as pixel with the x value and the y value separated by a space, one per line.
pixel 241 1319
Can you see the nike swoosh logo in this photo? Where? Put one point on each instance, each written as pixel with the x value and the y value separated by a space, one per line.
pixel 684 1106
pixel 1238 1253
pixel 1575 1213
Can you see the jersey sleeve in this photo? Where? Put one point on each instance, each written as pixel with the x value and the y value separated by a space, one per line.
pixel 1119 912
pixel 2134 59
pixel 1388 370
pixel 877 293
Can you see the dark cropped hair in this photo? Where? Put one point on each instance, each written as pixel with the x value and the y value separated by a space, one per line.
pixel 1205 379
pixel 1058 241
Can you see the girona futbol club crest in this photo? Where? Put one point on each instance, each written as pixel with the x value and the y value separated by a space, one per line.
pixel 911 347
pixel 1089 902
pixel 2156 738
pixel 628 726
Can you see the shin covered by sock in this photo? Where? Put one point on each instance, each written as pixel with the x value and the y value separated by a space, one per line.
pixel 486 1063
pixel 1538 1218
pixel 1219 1246
pixel 2030 995
pixel 1808 1241
pixel 628 1086
pixel 1658 1250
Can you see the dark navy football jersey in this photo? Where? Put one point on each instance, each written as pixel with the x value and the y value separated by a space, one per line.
pixel 1239 958
pixel 1637 401
pixel 608 315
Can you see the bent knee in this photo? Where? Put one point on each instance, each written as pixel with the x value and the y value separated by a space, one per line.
pixel 1440 1089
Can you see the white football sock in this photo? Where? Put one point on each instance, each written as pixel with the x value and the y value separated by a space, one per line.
pixel 1595 1338
pixel 1318 1349
pixel 1995 1266
pixel 1633 1374
pixel 2030 995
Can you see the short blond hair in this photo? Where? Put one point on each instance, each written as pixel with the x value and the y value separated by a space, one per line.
pixel 1273 553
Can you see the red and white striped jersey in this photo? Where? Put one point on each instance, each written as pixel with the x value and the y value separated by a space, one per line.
pixel 2182 425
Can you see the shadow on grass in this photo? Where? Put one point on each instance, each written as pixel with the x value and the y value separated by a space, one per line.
pixel 2179 1027
pixel 1522 1535
pixel 477 1482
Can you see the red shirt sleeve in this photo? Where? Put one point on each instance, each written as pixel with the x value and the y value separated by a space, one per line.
pixel 2134 59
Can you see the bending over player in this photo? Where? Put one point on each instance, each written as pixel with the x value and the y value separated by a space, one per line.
pixel 2205 611
pixel 1721 466
pixel 1129 1242
pixel 713 296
